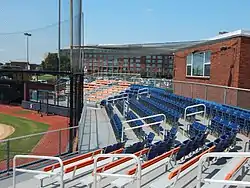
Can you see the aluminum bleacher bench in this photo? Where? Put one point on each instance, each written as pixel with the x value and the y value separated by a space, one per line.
pixel 113 167
pixel 148 167
pixel 85 167
pixel 223 171
pixel 67 163
pixel 180 171
pixel 236 168
pixel 71 165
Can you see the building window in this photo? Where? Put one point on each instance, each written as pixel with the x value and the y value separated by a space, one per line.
pixel 198 64
pixel 159 60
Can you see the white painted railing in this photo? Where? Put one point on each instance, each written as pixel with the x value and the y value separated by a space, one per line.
pixel 194 113
pixel 15 169
pixel 145 125
pixel 224 182
pixel 136 176
pixel 125 98
pixel 142 91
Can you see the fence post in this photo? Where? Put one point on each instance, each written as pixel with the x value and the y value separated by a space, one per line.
pixel 191 90
pixel 8 156
pixel 225 96
pixel 60 142
pixel 181 89
pixel 237 97
pixel 206 92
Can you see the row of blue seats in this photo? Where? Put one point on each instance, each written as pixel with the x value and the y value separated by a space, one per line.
pixel 180 107
pixel 116 125
pixel 139 132
pixel 223 142
pixel 113 147
pixel 190 146
pixel 221 126
pixel 185 100
pixel 237 108
pixel 242 118
pixel 109 109
pixel 135 147
pixel 119 105
pixel 142 111
pixel 171 115
pixel 160 147
pixel 215 109
pixel 196 128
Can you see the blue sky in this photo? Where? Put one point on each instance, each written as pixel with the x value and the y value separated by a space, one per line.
pixel 116 21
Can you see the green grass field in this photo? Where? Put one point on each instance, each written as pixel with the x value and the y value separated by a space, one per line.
pixel 47 77
pixel 22 127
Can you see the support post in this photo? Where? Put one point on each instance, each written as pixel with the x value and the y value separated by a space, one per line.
pixel 8 156
pixel 71 117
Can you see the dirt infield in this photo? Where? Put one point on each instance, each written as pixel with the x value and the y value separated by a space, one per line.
pixel 48 145
pixel 5 131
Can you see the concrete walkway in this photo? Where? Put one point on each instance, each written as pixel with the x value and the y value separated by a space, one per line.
pixel 130 135
pixel 95 130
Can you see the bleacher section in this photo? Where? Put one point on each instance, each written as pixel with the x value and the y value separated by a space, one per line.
pixel 168 162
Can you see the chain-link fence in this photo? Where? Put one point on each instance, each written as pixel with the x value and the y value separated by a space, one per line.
pixel 221 94
pixel 51 143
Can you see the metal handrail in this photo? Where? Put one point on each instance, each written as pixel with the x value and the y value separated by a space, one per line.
pixel 15 169
pixel 142 91
pixel 194 113
pixel 212 85
pixel 245 147
pixel 136 176
pixel 220 154
pixel 37 134
pixel 145 125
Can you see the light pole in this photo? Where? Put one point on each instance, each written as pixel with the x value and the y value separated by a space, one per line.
pixel 27 46
pixel 59 49
pixel 59 35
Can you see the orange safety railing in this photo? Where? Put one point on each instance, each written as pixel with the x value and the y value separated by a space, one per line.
pixel 154 160
pixel 237 167
pixel 188 163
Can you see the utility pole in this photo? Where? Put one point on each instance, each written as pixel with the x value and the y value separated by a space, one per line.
pixel 27 47
pixel 71 33
pixel 59 50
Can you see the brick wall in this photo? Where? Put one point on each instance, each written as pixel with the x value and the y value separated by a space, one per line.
pixel 224 68
pixel 229 67
pixel 244 69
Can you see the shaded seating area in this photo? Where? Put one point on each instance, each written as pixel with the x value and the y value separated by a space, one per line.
pixel 196 128
pixel 172 116
pixel 228 113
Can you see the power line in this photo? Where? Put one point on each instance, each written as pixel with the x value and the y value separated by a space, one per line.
pixel 35 29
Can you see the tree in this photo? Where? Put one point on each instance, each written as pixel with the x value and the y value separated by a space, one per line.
pixel 50 62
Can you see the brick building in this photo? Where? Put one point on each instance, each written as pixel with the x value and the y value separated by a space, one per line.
pixel 215 68
pixel 149 60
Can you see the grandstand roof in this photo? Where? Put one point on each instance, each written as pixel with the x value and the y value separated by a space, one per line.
pixel 169 47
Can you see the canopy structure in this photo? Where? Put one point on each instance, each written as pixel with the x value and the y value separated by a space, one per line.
pixel 141 49
pixel 161 48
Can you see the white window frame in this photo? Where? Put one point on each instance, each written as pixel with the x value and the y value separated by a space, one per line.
pixel 204 63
